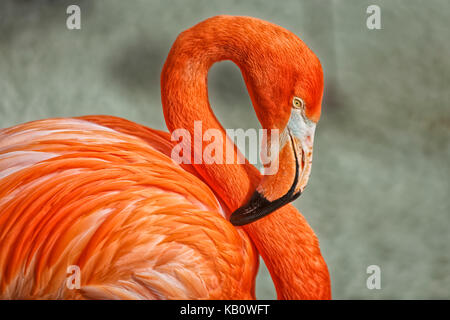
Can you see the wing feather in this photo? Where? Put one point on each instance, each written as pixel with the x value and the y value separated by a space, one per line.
pixel 102 193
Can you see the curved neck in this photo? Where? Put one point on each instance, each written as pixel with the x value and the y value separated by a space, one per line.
pixel 184 95
pixel 284 239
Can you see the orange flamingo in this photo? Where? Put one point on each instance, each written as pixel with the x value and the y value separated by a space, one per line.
pixel 103 194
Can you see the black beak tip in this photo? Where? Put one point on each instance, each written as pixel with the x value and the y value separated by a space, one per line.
pixel 259 207
pixel 235 220
pixel 251 211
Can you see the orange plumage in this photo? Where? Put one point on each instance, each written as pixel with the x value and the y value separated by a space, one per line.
pixel 102 193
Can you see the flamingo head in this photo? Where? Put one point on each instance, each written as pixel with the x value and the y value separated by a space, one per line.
pixel 286 91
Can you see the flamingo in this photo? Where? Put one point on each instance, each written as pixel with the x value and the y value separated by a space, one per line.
pixel 103 194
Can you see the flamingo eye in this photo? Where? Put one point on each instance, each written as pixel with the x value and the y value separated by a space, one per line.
pixel 298 103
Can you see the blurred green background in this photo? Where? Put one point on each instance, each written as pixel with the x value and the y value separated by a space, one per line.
pixel 379 190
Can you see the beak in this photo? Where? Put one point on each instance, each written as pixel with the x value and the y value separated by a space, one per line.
pixel 289 181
